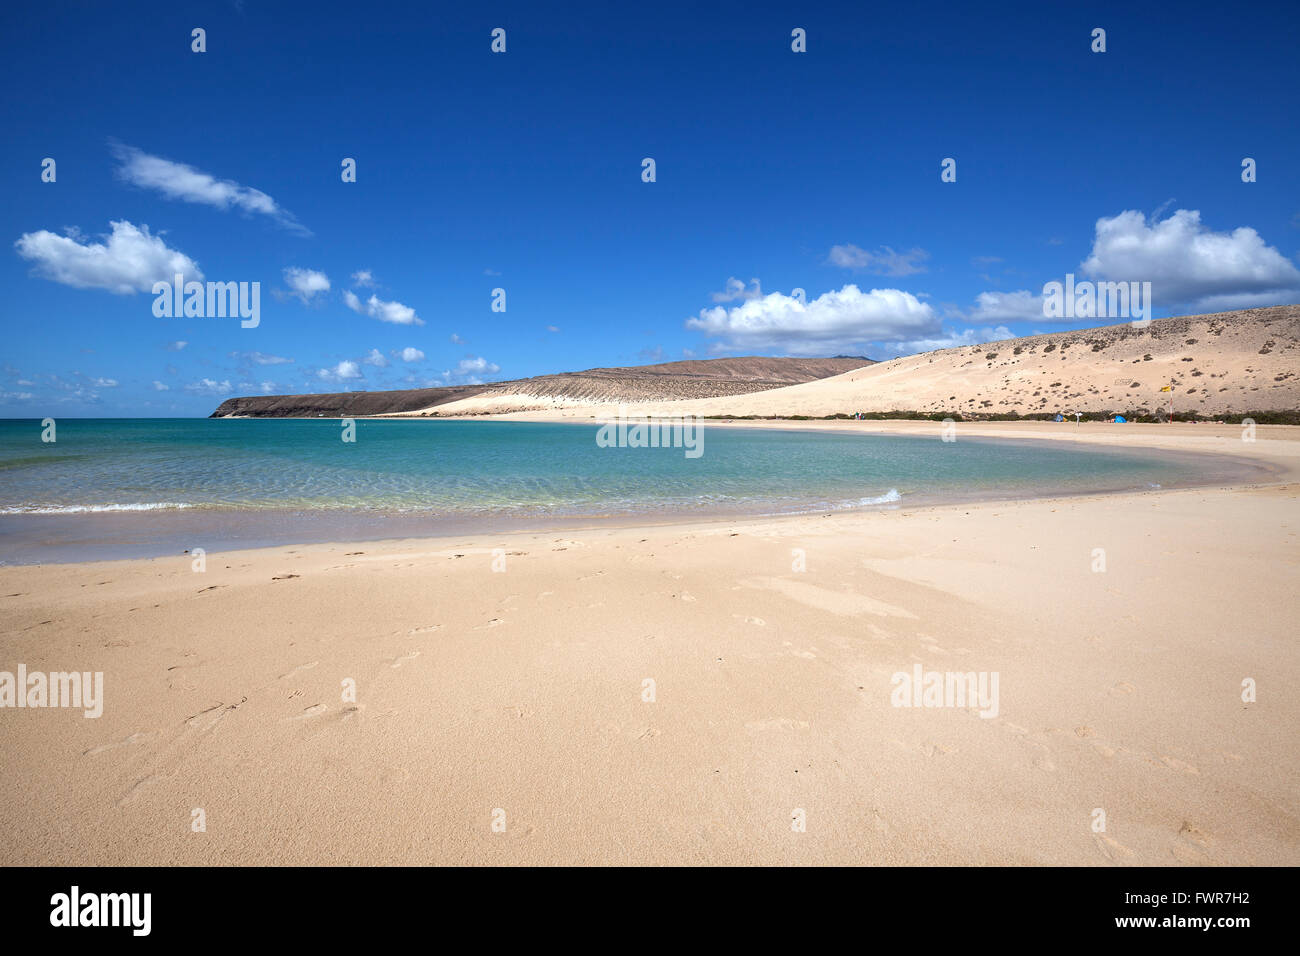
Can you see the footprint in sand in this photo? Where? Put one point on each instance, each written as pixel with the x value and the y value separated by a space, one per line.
pixel 1122 688
pixel 301 667
pixel 777 723
pixel 1191 845
pixel 397 662
pixel 137 790
pixel 1111 849
pixel 1194 834
pixel 315 710
pixel 205 721
pixel 124 742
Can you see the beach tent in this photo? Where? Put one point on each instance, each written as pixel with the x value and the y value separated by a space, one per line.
pixel 1059 417
pixel 1121 420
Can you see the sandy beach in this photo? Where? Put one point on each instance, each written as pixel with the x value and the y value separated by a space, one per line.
pixel 502 713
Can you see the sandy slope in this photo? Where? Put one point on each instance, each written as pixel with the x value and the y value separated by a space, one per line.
pixel 522 690
pixel 1232 361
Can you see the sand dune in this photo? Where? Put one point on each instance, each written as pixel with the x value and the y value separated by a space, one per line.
pixel 1225 362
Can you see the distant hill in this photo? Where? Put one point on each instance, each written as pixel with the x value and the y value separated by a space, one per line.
pixel 1244 361
pixel 668 381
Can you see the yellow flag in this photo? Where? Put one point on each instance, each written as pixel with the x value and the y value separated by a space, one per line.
pixel 1167 388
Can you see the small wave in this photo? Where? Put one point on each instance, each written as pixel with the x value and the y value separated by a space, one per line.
pixel 890 495
pixel 86 509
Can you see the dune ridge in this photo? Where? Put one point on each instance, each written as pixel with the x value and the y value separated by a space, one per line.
pixel 1217 364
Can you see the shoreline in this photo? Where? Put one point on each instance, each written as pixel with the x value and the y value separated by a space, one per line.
pixel 361 526
pixel 509 674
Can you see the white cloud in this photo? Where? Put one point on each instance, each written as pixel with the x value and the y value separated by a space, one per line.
pixel 835 321
pixel 180 181
pixel 159 386
pixel 884 261
pixel 551 328
pixel 409 354
pixel 131 259
pixel 261 358
pixel 376 358
pixel 456 339
pixel 176 346
pixel 1020 306
pixel 476 365
pixel 363 277
pixel 104 382
pixel 306 284
pixel 268 388
pixel 207 386
pixel 377 308
pixel 948 340
pixel 1188 264
pixel 344 371
pixel 735 289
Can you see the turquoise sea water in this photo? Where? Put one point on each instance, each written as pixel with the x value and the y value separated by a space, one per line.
pixel 118 487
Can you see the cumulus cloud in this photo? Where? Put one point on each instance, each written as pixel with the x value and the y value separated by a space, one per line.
pixel 181 181
pixel 476 365
pixel 130 259
pixel 377 308
pixel 176 346
pixel 948 340
pixel 884 261
pixel 376 358
pixel 160 387
pixel 456 339
pixel 1020 306
pixel 344 371
pixel 1188 264
pixel 835 321
pixel 261 358
pixel 552 328
pixel 207 386
pixel 306 284
pixel 409 354
pixel 104 382
pixel 363 277
pixel 735 289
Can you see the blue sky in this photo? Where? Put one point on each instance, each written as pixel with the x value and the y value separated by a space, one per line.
pixel 523 171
